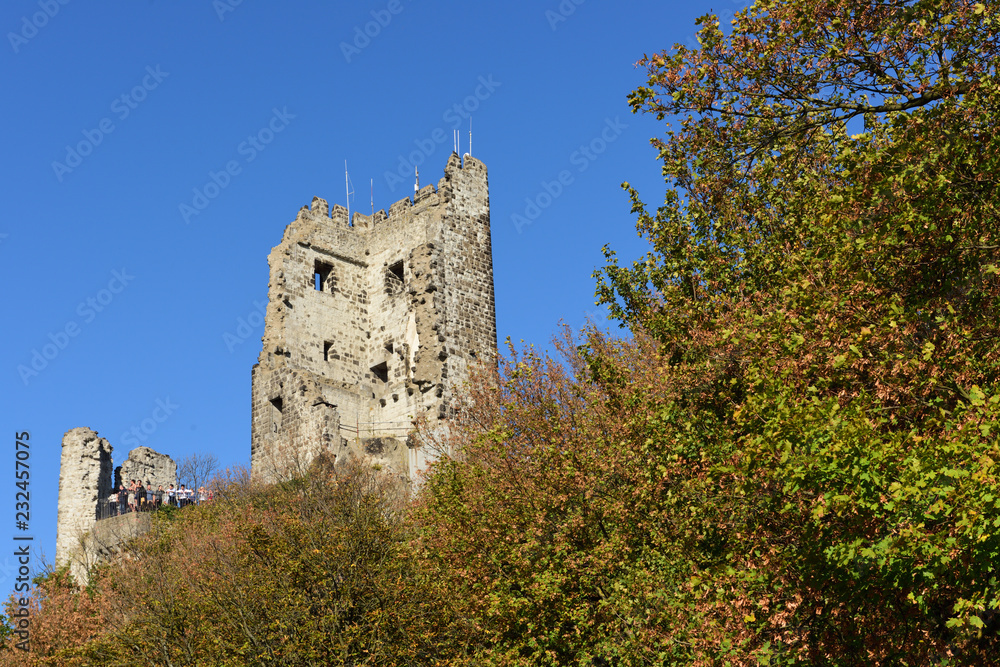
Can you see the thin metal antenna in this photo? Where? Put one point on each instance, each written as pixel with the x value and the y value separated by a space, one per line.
pixel 371 184
pixel 416 180
pixel 347 187
pixel 470 136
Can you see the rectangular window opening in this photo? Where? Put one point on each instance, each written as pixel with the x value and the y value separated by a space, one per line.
pixel 394 278
pixel 321 275
pixel 326 350
pixel 381 371
pixel 276 414
pixel 397 270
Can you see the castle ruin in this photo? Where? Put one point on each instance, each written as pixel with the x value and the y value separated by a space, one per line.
pixel 85 533
pixel 373 323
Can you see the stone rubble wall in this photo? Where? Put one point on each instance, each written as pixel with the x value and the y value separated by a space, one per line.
pixel 105 539
pixel 148 466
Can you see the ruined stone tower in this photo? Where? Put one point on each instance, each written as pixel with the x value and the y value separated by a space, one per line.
pixel 84 479
pixel 372 323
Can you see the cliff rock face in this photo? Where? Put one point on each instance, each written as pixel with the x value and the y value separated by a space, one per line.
pixel 149 466
pixel 84 479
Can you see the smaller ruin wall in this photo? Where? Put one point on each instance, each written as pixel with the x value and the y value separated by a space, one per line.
pixel 147 466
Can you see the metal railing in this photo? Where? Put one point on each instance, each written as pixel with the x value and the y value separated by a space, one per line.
pixel 106 508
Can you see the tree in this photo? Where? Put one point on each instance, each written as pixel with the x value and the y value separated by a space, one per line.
pixel 770 191
pixel 309 571
pixel 195 470
pixel 823 284
pixel 558 524
pixel 62 617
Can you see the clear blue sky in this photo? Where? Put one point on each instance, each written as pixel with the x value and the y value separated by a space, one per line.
pixel 115 114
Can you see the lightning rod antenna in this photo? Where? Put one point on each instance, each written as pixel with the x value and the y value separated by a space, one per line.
pixel 347 188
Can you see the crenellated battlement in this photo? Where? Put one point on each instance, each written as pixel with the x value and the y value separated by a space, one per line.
pixel 319 208
pixel 402 210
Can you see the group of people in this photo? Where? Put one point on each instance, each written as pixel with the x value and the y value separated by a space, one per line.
pixel 135 497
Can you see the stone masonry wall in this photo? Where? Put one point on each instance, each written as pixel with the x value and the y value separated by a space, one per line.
pixel 149 466
pixel 84 478
pixel 373 323
pixel 470 310
pixel 105 539
pixel 293 420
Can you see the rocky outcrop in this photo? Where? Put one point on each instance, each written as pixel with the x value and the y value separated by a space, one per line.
pixel 84 479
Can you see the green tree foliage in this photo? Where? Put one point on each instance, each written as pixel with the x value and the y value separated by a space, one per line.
pixel 824 272
pixel 579 514
pixel 307 572
pixel 536 529
pixel 771 194
pixel 795 460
